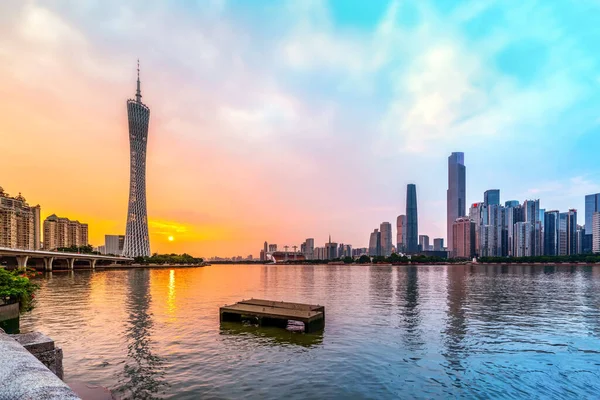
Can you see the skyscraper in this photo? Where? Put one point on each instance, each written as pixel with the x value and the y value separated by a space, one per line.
pixel 375 243
pixel 386 238
pixel 113 244
pixel 401 234
pixel 491 197
pixel 137 241
pixel 595 232
pixel 592 205
pixel 456 194
pixel 551 234
pixel 438 244
pixel 423 243
pixel 412 222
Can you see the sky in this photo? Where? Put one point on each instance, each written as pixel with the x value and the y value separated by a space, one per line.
pixel 284 120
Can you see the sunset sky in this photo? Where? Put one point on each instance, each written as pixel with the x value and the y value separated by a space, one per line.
pixel 283 120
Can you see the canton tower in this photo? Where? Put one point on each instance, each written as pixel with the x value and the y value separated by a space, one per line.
pixel 137 242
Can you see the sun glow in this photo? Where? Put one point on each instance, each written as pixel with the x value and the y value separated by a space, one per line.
pixel 171 238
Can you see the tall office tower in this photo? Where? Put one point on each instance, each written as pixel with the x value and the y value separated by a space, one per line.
pixel 401 234
pixel 423 243
pixel 580 239
pixel 438 243
pixel 522 236
pixel 375 243
pixel 113 244
pixel 497 232
pixel 137 241
pixel 562 234
pixel 511 203
pixel 513 213
pixel 595 232
pixel 491 197
pixel 464 238
pixel 386 238
pixel 551 233
pixel 531 214
pixel 412 219
pixel 262 255
pixel 475 215
pixel 310 248
pixel 592 205
pixel 572 232
pixel 457 192
pixel 266 247
pixel 19 223
pixel 331 249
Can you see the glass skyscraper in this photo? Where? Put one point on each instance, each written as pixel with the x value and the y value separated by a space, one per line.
pixel 491 197
pixel 412 222
pixel 456 194
pixel 137 241
pixel 386 238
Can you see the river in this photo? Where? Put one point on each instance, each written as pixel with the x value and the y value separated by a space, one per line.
pixel 391 332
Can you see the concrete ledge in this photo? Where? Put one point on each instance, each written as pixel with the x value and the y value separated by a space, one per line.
pixel 24 377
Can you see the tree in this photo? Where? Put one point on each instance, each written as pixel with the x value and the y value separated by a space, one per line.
pixel 364 259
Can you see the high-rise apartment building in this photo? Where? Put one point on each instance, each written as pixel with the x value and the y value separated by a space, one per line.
pixel 401 234
pixel 438 244
pixel 137 240
pixel 531 214
pixel 62 232
pixel 19 223
pixel 463 238
pixel 113 244
pixel 412 220
pixel 457 192
pixel 386 238
pixel 375 243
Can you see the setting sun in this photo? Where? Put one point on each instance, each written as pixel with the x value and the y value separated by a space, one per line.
pixel 171 238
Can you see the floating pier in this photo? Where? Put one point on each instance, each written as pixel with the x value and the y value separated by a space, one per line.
pixel 275 313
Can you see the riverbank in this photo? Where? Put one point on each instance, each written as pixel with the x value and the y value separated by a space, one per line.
pixel 150 266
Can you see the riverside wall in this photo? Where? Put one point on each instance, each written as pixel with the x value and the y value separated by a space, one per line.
pixel 31 368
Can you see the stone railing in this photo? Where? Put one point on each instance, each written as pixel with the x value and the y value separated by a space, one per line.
pixel 24 368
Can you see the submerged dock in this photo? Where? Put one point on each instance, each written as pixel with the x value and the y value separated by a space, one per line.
pixel 275 313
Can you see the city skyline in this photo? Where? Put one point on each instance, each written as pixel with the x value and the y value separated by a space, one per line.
pixel 225 134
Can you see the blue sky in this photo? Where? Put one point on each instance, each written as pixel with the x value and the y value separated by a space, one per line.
pixel 348 100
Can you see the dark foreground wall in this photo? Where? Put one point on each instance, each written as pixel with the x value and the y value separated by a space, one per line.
pixel 24 377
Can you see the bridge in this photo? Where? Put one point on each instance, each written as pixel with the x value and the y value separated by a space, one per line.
pixel 47 260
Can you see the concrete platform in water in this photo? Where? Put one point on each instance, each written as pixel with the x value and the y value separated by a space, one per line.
pixel 276 313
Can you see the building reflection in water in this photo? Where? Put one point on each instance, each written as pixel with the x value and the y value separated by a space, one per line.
pixel 456 322
pixel 143 373
pixel 407 293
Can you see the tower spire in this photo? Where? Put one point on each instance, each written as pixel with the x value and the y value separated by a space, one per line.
pixel 138 93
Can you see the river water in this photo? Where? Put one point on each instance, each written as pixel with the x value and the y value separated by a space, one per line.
pixel 391 332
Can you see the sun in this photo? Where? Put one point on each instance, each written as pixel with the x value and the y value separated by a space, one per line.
pixel 171 238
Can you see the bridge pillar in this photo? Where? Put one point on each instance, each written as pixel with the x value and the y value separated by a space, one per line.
pixel 22 261
pixel 70 263
pixel 93 263
pixel 48 263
